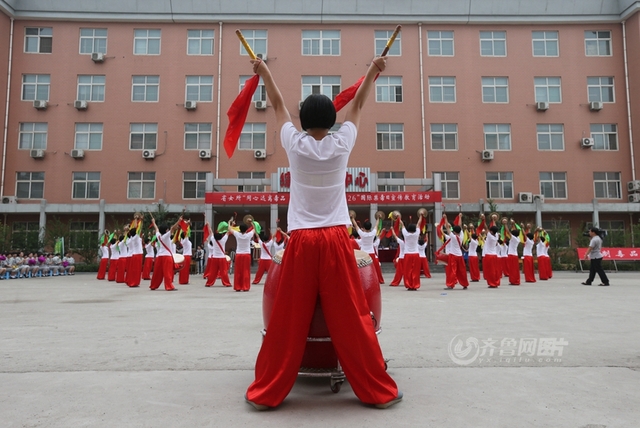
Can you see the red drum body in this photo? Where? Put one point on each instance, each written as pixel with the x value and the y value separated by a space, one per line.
pixel 442 259
pixel 319 352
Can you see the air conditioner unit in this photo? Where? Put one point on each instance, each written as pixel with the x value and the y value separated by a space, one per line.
pixel 587 142
pixel 37 154
pixel 77 154
pixel 80 105
pixel 300 105
pixel 260 105
pixel 9 200
pixel 148 154
pixel 525 197
pixel 542 106
pixel 539 197
pixel 596 105
pixel 205 154
pixel 97 57
pixel 262 57
pixel 633 186
pixel 487 155
pixel 259 154
pixel 40 104
pixel 190 105
pixel 634 197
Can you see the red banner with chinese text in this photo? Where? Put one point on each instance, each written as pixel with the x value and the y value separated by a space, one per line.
pixel 616 254
pixel 383 198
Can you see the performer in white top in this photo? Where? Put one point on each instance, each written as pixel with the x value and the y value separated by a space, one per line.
pixel 422 251
pixel 123 260
pixel 456 271
pixel 217 264
pixel 104 256
pixel 134 270
pixel 242 260
pixel 319 260
pixel 399 261
pixel 513 259
pixel 490 263
pixel 266 248
pixel 367 239
pixel 187 252
pixel 163 268
pixel 474 265
pixel 527 259
pixel 114 261
pixel 411 272
pixel 544 262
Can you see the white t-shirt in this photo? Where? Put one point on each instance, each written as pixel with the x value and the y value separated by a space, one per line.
pixel 473 248
pixel 150 252
pixel 318 169
pixel 401 246
pixel 135 245
pixel 410 241
pixel 217 251
pixel 277 247
pixel 264 254
pixel 366 240
pixel 115 254
pixel 528 246
pixel 514 241
pixel 104 251
pixel 421 250
pixel 166 239
pixel 491 245
pixel 124 250
pixel 187 247
pixel 244 241
pixel 453 246
pixel 541 249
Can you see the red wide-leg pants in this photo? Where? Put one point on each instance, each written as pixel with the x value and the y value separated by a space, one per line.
pixel 242 272
pixel 263 267
pixel 411 271
pixel 376 265
pixel 514 269
pixel 217 267
pixel 146 270
pixel 183 277
pixel 491 266
pixel 457 271
pixel 474 268
pixel 425 267
pixel 134 271
pixel 528 270
pixel 399 271
pixel 162 270
pixel 102 270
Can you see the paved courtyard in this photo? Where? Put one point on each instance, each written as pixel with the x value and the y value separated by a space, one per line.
pixel 77 352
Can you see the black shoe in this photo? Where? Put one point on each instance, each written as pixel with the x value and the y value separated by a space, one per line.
pixel 585 283
pixel 603 285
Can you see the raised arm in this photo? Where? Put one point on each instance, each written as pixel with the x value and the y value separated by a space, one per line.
pixel 377 66
pixel 273 92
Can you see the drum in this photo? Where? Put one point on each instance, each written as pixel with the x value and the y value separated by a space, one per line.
pixel 178 262
pixel 319 352
pixel 442 259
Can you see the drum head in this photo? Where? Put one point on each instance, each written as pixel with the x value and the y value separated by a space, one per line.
pixel 178 258
pixel 362 258
pixel 277 258
pixel 227 257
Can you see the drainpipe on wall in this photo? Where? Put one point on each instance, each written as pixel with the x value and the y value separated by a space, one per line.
pixel 424 141
pixel 626 79
pixel 6 114
pixel 219 92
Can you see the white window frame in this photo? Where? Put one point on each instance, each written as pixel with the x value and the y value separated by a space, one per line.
pixel 325 85
pixel 204 86
pixel 596 43
pixel 88 180
pixel 35 183
pixel 389 89
pixel 551 133
pixel 251 175
pixel 202 132
pixel 437 41
pixel 96 85
pixel 42 82
pixel 389 136
pixel 609 185
pixel 495 90
pixel 196 179
pixel 450 183
pixel 441 89
pixel 261 91
pixel 147 38
pixel 258 41
pixel 98 41
pixel 544 40
pixel 42 34
pixel 504 180
pixel 493 39
pixel 33 135
pixel 199 39
pixel 147 84
pixel 390 187
pixel 253 137
pixel 443 135
pixel 92 136
pixel 556 182
pixel 145 181
pixel 596 87
pixel 380 39
pixel 149 134
pixel 321 42
pixel 501 132
pixel 605 135
pixel 548 89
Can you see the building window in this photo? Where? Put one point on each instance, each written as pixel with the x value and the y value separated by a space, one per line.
pixel 550 136
pixel 325 85
pixel 495 90
pixel 260 94
pixel 559 231
pixel 607 185
pixel 253 136
pixel 197 136
pixel 141 185
pixel 321 42
pixel 597 43
pixel 497 136
pixel 545 43
pixel 389 136
pixel 382 37
pixel 83 234
pixel 33 135
pixel 144 136
pixel 26 234
pixel 86 185
pixel 193 185
pixel 35 87
pixel 390 187
pixel 257 40
pixel 450 183
pixel 493 43
pixel 91 88
pixel 499 185
pixel 553 185
pixel 251 175
pixel 199 88
pixel 605 136
pixel 442 89
pixel 440 43
pixel 38 40
pixel 145 88
pixel 146 42
pixel 199 42
pixel 93 40
pixel 600 89
pixel 88 136
pixel 547 89
pixel 444 136
pixel 389 89
pixel 30 185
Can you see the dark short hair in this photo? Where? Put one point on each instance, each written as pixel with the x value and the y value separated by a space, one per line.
pixel 542 239
pixel 132 232
pixel 263 236
pixel 218 236
pixel 366 225
pixel 420 241
pixel 474 236
pixel 456 228
pixel 243 228
pixel 515 232
pixel 317 111
pixel 163 228
pixel 530 235
pixel 594 230
pixel 493 229
pixel 411 228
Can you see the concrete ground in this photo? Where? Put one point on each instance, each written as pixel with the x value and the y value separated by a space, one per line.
pixel 77 352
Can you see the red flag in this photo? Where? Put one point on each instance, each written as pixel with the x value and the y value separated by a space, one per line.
pixel 456 221
pixel 439 228
pixel 205 234
pixel 184 226
pixel 238 114
pixel 343 98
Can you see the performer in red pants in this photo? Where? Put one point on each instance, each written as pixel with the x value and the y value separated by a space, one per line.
pixel 104 261
pixel 265 257
pixel 319 262
pixel 474 265
pixel 187 250
pixel 150 254
pixel 242 261
pixel 456 270
pixel 527 261
pixel 367 242
pixel 513 260
pixel 422 247
pixel 490 262
pixel 163 266
pixel 134 270
pixel 113 260
pixel 398 262
pixel 217 264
